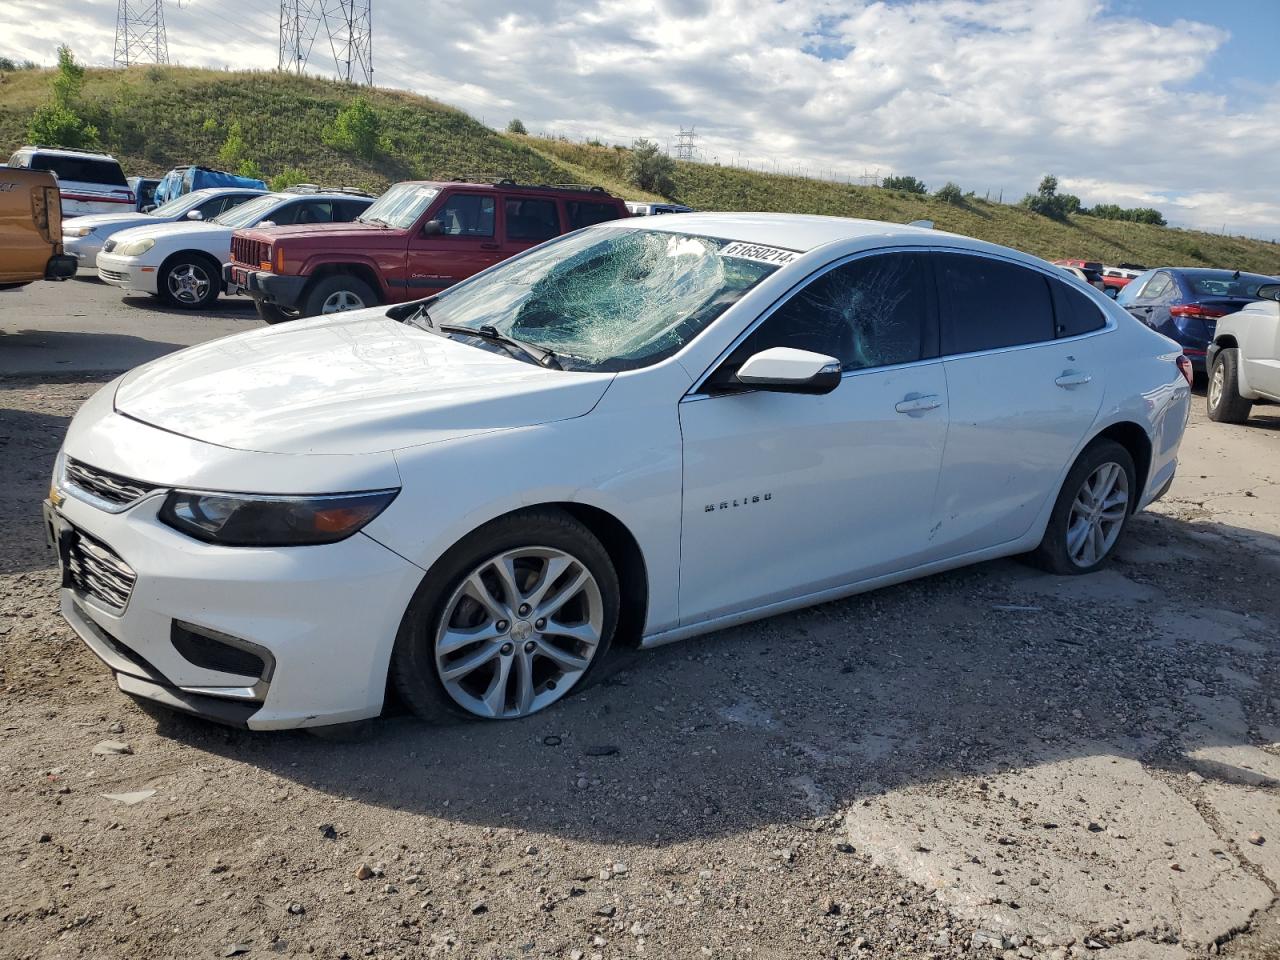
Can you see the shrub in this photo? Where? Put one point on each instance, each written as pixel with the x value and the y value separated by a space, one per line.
pixel 234 150
pixel 59 124
pixel 286 178
pixel 357 128
pixel 1048 202
pixel 904 183
pixel 950 193
pixel 650 169
pixel 516 126
pixel 1111 211
pixel 250 168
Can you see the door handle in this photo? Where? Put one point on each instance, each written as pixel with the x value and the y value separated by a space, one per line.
pixel 1071 378
pixel 918 403
pixel 488 246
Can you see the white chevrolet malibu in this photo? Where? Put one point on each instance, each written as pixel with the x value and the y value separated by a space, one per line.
pixel 635 433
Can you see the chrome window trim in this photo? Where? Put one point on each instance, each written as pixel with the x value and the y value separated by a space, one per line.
pixel 696 392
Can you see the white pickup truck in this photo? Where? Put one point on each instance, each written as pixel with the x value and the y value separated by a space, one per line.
pixel 89 182
pixel 1244 358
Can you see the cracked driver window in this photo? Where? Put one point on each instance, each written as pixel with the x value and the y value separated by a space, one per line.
pixel 608 298
pixel 867 313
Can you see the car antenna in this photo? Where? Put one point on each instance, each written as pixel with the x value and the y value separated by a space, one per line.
pixel 1236 275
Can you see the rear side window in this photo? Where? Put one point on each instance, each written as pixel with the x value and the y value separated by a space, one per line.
pixel 1159 287
pixel 988 304
pixel 531 220
pixel 348 210
pixel 1073 312
pixel 871 312
pixel 81 169
pixel 584 214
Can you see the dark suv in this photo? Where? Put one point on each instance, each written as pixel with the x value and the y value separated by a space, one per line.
pixel 418 238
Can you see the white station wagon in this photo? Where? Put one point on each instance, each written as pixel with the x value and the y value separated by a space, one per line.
pixel 638 432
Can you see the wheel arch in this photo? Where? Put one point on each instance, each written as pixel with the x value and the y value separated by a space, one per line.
pixel 361 271
pixel 1135 439
pixel 1226 341
pixel 204 255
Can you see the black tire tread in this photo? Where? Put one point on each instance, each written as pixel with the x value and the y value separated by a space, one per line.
pixel 215 277
pixel 1232 407
pixel 325 286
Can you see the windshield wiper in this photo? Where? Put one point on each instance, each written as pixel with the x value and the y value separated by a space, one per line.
pixel 539 355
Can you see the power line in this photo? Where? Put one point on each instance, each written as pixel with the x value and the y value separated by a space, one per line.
pixel 140 36
pixel 348 25
pixel 299 21
pixel 685 147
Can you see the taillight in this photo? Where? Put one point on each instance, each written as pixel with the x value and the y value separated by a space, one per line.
pixel 1196 310
pixel 1184 367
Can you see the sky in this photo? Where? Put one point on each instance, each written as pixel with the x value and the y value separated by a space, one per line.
pixel 1164 103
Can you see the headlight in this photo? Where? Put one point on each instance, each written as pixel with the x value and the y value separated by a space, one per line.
pixel 132 248
pixel 246 520
pixel 78 231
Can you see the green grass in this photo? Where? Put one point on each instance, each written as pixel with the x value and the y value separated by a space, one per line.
pixel 155 118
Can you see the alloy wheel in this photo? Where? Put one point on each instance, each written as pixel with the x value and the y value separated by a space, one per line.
pixel 188 283
pixel 341 300
pixel 519 632
pixel 1217 384
pixel 1098 514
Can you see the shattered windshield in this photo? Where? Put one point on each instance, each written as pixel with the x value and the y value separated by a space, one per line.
pixel 611 298
pixel 400 206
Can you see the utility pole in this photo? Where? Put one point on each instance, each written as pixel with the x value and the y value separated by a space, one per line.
pixel 140 36
pixel 347 23
pixel 685 147
pixel 299 21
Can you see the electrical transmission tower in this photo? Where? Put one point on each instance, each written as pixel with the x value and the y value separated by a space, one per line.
pixel 349 26
pixel 140 36
pixel 684 146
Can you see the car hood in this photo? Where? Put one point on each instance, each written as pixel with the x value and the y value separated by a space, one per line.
pixel 162 230
pixel 119 221
pixel 365 234
pixel 353 383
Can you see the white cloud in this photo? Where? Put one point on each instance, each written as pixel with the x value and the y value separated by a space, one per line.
pixel 989 94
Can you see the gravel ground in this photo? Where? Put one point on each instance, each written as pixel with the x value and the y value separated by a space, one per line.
pixel 991 762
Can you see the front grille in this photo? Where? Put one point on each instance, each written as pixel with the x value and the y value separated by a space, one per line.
pixel 110 487
pixel 250 252
pixel 94 569
pixel 113 275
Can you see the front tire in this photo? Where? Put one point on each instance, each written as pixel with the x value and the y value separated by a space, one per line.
pixel 270 313
pixel 190 282
pixel 1091 512
pixel 509 621
pixel 1222 399
pixel 337 294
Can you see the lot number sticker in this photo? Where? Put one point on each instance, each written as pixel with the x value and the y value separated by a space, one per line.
pixel 759 253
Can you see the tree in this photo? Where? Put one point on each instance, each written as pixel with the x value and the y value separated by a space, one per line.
pixel 909 184
pixel 286 178
pixel 234 151
pixel 59 124
pixel 650 169
pixel 357 128
pixel 1048 202
pixel 249 168
pixel 516 126
pixel 950 193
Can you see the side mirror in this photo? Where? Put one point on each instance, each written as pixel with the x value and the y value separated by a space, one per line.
pixel 432 228
pixel 1269 291
pixel 787 370
pixel 194 215
pixel 266 223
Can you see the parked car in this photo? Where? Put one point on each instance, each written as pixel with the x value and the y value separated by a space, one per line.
pixel 181 262
pixel 1244 358
pixel 418 238
pixel 30 229
pixel 85 236
pixel 182 180
pixel 635 433
pixel 88 182
pixel 639 208
pixel 1185 303
pixel 1090 277
pixel 1118 277
pixel 144 191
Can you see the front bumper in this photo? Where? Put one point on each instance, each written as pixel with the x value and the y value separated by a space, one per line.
pixel 128 273
pixel 84 249
pixel 280 290
pixel 324 618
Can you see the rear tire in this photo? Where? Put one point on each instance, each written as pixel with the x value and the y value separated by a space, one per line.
pixel 270 313
pixel 1091 513
pixel 337 294
pixel 1223 400
pixel 488 646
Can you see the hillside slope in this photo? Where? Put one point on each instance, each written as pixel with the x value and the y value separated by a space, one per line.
pixel 154 118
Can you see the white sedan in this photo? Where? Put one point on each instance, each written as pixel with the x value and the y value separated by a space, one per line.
pixel 632 434
pixel 83 237
pixel 182 262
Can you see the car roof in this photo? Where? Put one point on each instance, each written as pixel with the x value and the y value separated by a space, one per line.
pixel 509 186
pixel 319 195
pixel 793 231
pixel 65 152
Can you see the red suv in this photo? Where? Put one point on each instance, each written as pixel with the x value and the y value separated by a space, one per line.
pixel 416 239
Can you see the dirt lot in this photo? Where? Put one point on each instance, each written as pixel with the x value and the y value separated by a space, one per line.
pixel 991 762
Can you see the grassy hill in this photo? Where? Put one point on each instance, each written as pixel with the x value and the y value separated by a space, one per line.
pixel 154 118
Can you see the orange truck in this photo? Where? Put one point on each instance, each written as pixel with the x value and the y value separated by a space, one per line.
pixel 31 229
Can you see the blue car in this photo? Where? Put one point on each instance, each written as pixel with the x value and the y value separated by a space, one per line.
pixel 1184 303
